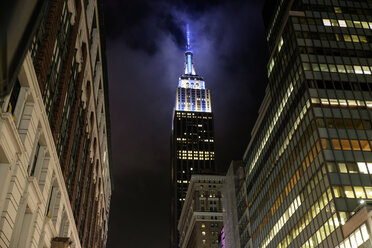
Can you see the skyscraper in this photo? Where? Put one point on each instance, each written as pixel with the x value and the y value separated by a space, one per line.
pixel 309 161
pixel 192 140
pixel 55 163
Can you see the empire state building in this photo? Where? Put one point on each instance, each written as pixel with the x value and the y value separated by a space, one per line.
pixel 192 142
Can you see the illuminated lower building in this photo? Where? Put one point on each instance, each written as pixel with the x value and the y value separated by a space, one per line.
pixel 55 178
pixel 201 218
pixel 358 229
pixel 309 161
pixel 192 141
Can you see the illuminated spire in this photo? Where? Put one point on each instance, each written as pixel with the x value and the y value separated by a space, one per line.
pixel 189 65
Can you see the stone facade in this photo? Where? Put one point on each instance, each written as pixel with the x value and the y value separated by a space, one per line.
pixel 201 218
pixel 55 178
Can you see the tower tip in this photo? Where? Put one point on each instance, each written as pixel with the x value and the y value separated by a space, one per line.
pixel 188 45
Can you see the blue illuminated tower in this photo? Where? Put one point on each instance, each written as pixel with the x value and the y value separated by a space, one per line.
pixel 192 142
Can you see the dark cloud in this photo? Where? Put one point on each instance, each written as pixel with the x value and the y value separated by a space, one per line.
pixel 145 45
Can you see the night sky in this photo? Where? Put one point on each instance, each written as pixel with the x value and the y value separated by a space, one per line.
pixel 145 55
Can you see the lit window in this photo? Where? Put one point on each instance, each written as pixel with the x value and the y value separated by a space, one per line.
pixel 358 69
pixel 364 233
pixel 348 192
pixel 349 69
pixel 341 69
pixel 203 233
pixel 365 145
pixel 280 44
pixel 342 167
pixel 336 144
pixel 357 24
pixel 359 192
pixel 355 145
pixel 369 166
pixel 327 22
pixel 343 218
pixel 363 39
pixel 342 23
pixel 365 25
pixel 345 144
pixel 347 38
pixel 324 67
pixel 337 10
pixel 362 167
pixel 366 70
pixel 315 66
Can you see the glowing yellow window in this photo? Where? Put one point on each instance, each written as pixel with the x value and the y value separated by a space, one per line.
pixel 363 39
pixel 359 192
pixel 357 24
pixel 369 192
pixel 349 192
pixel 365 146
pixel 336 144
pixel 324 67
pixel 358 69
pixel 331 225
pixel 327 22
pixel 345 144
pixel 355 145
pixel 352 103
pixel 349 69
pixel 342 167
pixel 337 10
pixel 338 191
pixel 342 23
pixel 366 70
pixel 347 38
pixel 362 167
pixel 365 25
pixel 369 166
pixel 324 101
pixel 355 38
pixel 341 68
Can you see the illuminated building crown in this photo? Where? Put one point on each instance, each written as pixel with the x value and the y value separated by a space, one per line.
pixel 191 92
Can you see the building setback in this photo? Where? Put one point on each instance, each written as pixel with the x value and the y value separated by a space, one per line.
pixel 201 218
pixel 309 162
pixel 192 139
pixel 55 159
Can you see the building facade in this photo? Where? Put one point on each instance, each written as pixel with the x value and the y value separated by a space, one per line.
pixel 357 230
pixel 201 218
pixel 192 140
pixel 55 177
pixel 309 162
pixel 234 177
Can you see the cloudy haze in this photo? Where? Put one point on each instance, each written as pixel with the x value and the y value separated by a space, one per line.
pixel 145 53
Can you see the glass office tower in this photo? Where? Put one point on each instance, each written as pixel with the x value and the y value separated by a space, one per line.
pixel 309 163
pixel 192 141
